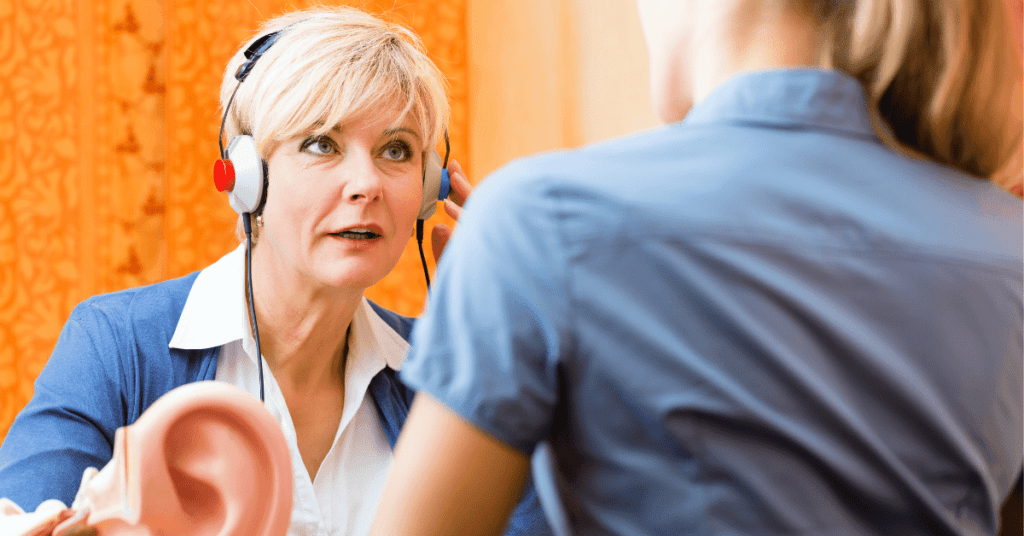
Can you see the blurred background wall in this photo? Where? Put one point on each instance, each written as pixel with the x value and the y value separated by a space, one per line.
pixel 108 133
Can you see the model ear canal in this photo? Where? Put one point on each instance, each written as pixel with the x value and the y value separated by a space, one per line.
pixel 205 459
pixel 218 465
pixel 193 449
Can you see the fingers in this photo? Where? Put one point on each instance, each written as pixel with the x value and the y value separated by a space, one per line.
pixel 81 530
pixel 439 236
pixel 460 191
pixel 452 209
pixel 460 184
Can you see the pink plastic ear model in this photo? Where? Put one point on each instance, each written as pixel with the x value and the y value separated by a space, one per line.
pixel 205 459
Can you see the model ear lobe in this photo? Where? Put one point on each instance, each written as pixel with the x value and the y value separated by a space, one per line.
pixel 206 459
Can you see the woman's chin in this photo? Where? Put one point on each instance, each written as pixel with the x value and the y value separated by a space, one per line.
pixel 356 273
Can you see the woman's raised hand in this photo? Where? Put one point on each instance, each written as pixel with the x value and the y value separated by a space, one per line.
pixel 460 191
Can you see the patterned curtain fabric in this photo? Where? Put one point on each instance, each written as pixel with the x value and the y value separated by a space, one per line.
pixel 108 133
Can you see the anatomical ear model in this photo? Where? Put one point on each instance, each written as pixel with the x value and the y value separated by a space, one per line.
pixel 206 459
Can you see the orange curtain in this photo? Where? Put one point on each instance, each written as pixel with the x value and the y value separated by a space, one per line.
pixel 108 131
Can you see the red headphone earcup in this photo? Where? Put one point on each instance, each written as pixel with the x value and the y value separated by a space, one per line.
pixel 224 175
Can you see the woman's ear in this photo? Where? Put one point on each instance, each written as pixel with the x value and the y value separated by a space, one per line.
pixel 206 459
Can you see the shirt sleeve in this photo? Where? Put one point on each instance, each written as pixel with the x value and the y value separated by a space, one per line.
pixel 496 327
pixel 69 423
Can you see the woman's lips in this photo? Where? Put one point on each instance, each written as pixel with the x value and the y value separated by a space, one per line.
pixel 358 234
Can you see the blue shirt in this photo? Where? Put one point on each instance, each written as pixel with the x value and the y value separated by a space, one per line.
pixel 759 320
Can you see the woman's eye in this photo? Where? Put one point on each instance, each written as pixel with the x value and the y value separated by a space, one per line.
pixel 397 151
pixel 319 146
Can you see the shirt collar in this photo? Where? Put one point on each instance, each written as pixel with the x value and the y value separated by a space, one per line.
pixel 816 98
pixel 215 314
pixel 371 335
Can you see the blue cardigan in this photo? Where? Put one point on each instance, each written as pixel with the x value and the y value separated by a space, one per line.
pixel 111 362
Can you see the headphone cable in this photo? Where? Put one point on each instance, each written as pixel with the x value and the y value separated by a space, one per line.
pixel 423 258
pixel 252 301
pixel 419 222
pixel 223 120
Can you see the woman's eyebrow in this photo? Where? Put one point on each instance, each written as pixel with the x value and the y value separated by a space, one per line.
pixel 388 132
pixel 317 125
pixel 396 130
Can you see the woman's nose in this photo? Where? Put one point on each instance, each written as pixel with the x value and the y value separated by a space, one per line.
pixel 361 178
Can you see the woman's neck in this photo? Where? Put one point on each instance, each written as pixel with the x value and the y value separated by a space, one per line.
pixel 764 39
pixel 303 328
pixel 736 37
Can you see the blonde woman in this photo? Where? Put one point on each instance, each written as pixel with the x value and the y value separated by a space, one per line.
pixel 796 309
pixel 344 109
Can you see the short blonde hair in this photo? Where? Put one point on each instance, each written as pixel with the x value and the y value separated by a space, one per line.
pixel 327 65
pixel 330 64
pixel 939 75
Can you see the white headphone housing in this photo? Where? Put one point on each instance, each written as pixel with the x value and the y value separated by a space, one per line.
pixel 248 190
pixel 431 185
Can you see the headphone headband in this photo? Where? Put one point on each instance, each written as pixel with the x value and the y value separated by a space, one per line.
pixel 254 52
pixel 243 175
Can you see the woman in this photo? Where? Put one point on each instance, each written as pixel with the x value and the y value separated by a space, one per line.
pixel 343 109
pixel 794 310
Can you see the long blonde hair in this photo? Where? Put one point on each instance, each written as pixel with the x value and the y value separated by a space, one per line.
pixel 939 75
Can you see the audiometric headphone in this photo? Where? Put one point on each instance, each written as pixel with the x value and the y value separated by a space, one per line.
pixel 243 175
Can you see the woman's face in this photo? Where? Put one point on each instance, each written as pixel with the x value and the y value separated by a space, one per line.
pixel 341 207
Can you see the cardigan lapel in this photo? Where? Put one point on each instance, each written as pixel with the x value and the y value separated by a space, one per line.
pixel 393 399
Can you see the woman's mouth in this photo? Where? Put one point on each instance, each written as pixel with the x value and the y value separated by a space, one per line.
pixel 357 234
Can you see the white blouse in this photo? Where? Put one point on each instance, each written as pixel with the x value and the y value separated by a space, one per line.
pixel 343 497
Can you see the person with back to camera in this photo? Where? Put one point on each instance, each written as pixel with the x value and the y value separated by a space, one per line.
pixel 796 309
pixel 345 110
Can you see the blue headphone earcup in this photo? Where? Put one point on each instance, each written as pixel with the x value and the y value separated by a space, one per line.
pixel 446 185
